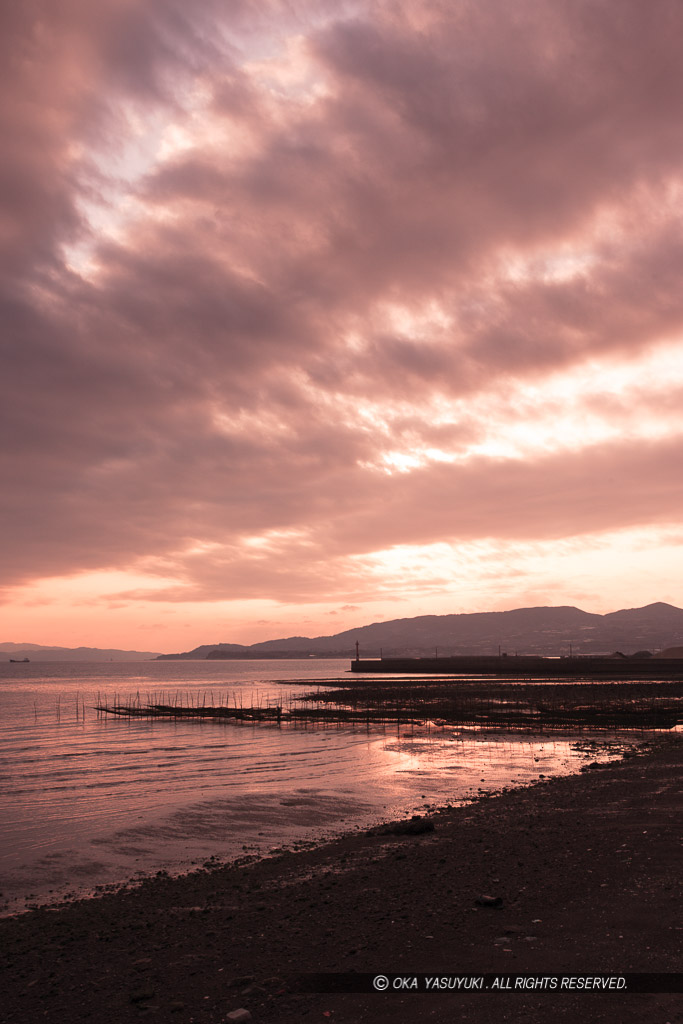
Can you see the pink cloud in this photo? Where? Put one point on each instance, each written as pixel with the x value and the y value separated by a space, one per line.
pixel 228 364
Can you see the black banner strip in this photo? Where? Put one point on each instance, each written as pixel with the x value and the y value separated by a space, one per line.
pixel 438 982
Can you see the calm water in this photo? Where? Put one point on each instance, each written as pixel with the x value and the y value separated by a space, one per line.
pixel 88 801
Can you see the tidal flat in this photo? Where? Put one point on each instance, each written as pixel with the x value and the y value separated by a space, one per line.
pixel 583 875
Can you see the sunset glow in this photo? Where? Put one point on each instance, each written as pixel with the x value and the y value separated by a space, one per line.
pixel 316 314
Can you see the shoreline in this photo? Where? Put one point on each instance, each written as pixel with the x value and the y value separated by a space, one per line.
pixel 181 833
pixel 586 867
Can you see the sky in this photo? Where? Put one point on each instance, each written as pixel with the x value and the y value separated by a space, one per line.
pixel 320 313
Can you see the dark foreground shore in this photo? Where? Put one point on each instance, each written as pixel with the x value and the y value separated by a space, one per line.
pixel 585 871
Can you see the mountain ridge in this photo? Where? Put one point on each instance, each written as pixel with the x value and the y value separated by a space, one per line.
pixel 544 630
pixel 40 652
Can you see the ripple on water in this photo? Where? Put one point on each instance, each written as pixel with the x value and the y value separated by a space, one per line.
pixel 150 795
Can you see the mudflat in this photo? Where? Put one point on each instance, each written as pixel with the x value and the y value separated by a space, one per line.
pixel 575 875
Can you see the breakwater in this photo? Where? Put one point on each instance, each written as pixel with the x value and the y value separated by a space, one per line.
pixel 527 667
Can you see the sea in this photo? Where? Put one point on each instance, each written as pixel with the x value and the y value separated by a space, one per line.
pixel 89 801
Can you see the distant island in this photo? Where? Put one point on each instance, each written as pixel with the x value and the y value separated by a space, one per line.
pixel 38 652
pixel 546 631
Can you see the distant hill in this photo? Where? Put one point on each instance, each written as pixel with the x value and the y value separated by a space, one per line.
pixel 37 652
pixel 671 652
pixel 544 631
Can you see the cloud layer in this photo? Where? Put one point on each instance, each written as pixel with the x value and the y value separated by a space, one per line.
pixel 287 285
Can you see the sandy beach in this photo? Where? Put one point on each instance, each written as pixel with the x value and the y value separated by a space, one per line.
pixel 584 872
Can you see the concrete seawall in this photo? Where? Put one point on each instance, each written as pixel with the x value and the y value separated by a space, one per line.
pixel 527 666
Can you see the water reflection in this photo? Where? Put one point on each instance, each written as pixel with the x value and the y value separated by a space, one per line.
pixel 88 801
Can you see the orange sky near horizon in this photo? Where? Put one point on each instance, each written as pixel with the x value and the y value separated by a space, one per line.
pixel 318 314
